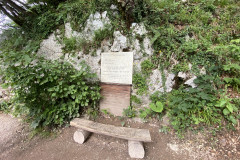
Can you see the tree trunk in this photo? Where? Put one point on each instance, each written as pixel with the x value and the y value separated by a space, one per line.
pixel 23 4
pixel 12 17
pixel 13 11
pixel 15 6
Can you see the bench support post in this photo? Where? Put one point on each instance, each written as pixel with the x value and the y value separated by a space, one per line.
pixel 80 136
pixel 136 149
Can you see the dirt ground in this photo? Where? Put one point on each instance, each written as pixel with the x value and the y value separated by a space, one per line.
pixel 15 144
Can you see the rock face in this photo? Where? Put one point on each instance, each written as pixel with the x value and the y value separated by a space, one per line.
pixel 95 22
pixel 191 83
pixel 156 81
pixel 120 42
pixel 50 48
pixel 139 43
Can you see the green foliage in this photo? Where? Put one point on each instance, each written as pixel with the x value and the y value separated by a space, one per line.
pixel 185 31
pixel 200 32
pixel 229 57
pixel 154 110
pixel 105 111
pixel 140 83
pixel 164 129
pixel 189 47
pixel 73 44
pixel 135 99
pixel 130 112
pixel 159 96
pixel 146 67
pixel 195 105
pixel 70 44
pixel 181 67
pixel 102 34
pixel 52 92
pixel 4 106
pixel 228 108
pixel 145 113
pixel 157 107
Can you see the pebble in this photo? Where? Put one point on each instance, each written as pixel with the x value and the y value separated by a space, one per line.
pixel 223 142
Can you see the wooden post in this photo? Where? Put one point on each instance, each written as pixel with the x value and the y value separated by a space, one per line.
pixel 80 136
pixel 136 149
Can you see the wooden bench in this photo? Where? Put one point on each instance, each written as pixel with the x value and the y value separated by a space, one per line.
pixel 135 137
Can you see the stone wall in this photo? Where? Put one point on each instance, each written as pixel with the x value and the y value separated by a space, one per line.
pixel 52 49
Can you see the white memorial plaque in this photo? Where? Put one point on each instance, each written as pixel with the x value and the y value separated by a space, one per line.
pixel 117 67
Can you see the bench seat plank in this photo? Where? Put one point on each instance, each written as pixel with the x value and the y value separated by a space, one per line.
pixel 133 134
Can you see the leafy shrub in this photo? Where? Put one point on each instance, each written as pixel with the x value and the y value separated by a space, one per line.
pixel 145 113
pixel 181 67
pixel 195 105
pixel 146 67
pixel 135 99
pixel 52 92
pixel 130 112
pixel 101 34
pixel 140 83
pixel 229 57
pixel 73 44
pixel 227 108
pixel 70 44
pixel 4 106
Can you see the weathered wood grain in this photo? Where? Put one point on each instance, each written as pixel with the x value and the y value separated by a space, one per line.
pixel 116 98
pixel 133 134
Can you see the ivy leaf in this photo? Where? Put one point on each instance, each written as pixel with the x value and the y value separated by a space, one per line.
pixel 157 108
pixel 226 112
pixel 228 80
pixel 27 59
pixel 233 120
pixel 221 103
pixel 230 107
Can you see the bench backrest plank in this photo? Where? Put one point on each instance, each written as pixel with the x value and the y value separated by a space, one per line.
pixel 132 134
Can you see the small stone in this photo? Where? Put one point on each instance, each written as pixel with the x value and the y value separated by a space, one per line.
pixel 191 83
pixel 190 66
pixel 97 15
pixel 182 75
pixel 187 38
pixel 148 46
pixel 113 7
pixel 203 71
pixel 104 14
pixel 138 29
pixel 223 142
pixel 173 147
pixel 120 42
pixel 165 121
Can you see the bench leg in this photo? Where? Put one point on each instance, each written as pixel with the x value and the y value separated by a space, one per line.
pixel 80 136
pixel 135 149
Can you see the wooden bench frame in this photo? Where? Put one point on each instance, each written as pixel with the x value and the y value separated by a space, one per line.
pixel 135 137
